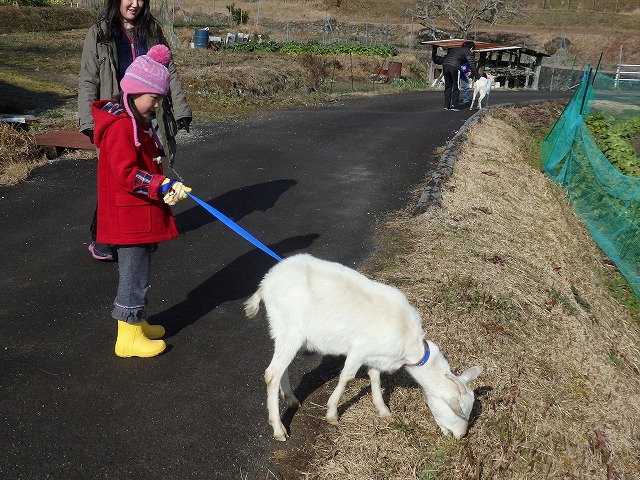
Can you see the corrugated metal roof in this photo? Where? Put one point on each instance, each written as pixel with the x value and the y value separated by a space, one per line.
pixel 482 46
pixel 65 139
pixel 457 42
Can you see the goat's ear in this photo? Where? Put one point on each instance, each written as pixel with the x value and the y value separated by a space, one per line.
pixel 470 374
pixel 456 408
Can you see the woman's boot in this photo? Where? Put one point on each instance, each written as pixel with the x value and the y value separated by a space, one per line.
pixel 132 342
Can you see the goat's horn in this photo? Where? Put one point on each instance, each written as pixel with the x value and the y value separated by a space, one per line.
pixel 461 386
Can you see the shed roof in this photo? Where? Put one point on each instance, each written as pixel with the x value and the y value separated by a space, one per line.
pixel 482 46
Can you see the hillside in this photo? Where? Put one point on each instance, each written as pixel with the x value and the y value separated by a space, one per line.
pixel 38 48
pixel 589 32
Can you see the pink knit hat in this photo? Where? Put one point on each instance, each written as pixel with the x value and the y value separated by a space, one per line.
pixel 147 74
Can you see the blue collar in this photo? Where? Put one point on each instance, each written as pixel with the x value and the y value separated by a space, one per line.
pixel 425 357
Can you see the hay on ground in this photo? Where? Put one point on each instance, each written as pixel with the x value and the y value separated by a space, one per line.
pixel 505 276
pixel 18 155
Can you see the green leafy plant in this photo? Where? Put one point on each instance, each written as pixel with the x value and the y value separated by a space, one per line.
pixel 598 124
pixel 296 48
pixel 614 139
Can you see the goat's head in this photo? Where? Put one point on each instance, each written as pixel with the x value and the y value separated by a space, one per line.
pixel 451 405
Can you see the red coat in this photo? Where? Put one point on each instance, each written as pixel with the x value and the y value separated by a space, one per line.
pixel 125 216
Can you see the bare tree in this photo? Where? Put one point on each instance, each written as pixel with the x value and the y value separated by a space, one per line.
pixel 462 14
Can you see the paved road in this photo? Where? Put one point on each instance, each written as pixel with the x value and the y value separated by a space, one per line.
pixel 313 179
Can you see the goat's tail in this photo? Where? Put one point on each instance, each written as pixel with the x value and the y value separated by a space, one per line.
pixel 252 305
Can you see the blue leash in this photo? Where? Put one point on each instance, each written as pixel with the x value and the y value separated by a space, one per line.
pixel 235 227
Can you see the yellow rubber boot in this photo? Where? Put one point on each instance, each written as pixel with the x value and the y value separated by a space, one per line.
pixel 132 342
pixel 152 332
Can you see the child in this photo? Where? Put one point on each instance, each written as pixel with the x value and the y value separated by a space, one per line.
pixel 134 195
pixel 465 71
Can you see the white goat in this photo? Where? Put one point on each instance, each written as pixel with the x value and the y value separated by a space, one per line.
pixel 331 309
pixel 481 89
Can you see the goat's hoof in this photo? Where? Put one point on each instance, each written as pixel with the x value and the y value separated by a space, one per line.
pixel 382 409
pixel 280 436
pixel 332 421
pixel 279 432
pixel 292 402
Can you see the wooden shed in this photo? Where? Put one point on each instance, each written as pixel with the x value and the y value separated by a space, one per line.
pixel 514 66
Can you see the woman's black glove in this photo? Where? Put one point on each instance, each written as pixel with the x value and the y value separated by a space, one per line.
pixel 183 123
pixel 89 133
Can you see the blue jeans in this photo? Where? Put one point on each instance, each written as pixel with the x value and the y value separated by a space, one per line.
pixel 134 262
pixel 464 81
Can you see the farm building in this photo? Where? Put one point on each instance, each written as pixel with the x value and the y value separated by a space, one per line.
pixel 513 66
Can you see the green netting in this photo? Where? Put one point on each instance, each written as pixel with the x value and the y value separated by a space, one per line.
pixel 606 200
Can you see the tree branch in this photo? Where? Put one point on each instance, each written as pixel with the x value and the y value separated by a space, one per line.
pixel 462 14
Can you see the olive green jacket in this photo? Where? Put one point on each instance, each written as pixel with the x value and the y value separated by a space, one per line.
pixel 98 81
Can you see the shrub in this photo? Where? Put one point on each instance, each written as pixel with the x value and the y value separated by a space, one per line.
pixel 237 14
pixel 18 154
pixel 614 139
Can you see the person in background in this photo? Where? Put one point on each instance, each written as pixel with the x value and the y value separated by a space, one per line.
pixel 125 30
pixel 134 195
pixel 451 64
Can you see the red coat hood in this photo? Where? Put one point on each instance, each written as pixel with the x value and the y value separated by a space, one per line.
pixel 105 112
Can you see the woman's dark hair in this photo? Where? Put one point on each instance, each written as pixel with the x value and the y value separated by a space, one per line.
pixel 145 23
pixel 469 45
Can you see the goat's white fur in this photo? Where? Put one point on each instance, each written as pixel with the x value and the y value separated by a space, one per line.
pixel 331 309
pixel 481 89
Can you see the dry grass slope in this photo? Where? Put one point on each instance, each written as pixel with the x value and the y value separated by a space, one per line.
pixel 506 276
pixel 18 155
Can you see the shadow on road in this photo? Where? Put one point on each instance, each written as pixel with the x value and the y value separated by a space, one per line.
pixel 237 280
pixel 235 204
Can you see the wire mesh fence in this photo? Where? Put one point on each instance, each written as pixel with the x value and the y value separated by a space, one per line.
pixel 606 199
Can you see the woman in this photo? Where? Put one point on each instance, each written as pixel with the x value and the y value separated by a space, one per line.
pixel 124 31
pixel 451 64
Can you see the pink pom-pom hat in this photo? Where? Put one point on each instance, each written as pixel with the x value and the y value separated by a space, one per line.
pixel 146 74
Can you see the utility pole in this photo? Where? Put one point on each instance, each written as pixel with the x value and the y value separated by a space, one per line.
pixel 366 30
pixel 411 37
pixel 288 21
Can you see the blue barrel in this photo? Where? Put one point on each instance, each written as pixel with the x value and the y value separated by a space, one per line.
pixel 201 39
